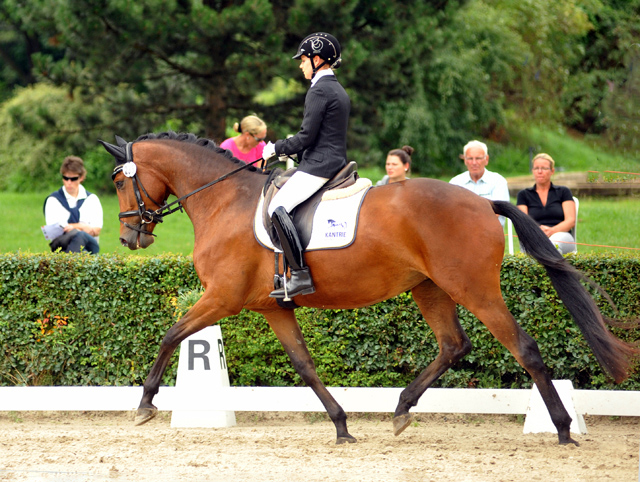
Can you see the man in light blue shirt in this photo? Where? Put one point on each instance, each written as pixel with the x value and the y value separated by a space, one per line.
pixel 477 178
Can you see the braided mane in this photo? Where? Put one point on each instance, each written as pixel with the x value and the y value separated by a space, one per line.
pixel 193 139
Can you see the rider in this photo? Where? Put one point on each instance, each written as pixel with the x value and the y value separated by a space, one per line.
pixel 321 144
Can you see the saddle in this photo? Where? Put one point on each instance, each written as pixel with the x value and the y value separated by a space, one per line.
pixel 303 213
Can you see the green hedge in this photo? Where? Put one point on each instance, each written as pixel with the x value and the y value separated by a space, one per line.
pixel 98 320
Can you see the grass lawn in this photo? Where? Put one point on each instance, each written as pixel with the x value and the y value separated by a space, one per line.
pixel 24 216
pixel 609 222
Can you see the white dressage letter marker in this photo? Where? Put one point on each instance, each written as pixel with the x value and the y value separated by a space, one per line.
pixel 202 369
pixel 538 420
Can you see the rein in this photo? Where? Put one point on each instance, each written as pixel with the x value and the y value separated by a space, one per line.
pixel 150 217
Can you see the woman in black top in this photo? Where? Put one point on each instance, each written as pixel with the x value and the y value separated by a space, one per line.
pixel 552 207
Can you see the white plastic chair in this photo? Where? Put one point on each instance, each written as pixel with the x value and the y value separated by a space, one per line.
pixel 574 230
pixel 510 235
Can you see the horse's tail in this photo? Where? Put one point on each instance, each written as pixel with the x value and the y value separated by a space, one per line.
pixel 614 355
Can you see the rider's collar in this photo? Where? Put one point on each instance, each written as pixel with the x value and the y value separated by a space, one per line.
pixel 320 74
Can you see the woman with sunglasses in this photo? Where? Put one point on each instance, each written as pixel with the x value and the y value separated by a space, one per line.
pixel 75 209
pixel 551 206
pixel 249 144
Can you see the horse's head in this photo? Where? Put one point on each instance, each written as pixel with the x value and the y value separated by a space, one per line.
pixel 136 193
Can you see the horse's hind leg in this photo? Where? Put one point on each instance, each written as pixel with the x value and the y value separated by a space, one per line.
pixel 286 328
pixel 439 311
pixel 504 327
pixel 479 291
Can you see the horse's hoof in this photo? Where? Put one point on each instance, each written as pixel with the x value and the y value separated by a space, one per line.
pixel 568 441
pixel 348 440
pixel 143 415
pixel 401 422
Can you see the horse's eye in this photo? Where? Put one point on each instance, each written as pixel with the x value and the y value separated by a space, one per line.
pixel 119 184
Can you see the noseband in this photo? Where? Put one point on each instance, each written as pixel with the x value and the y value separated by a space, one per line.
pixel 153 217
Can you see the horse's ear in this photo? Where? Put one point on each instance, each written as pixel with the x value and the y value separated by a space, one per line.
pixel 115 151
pixel 121 142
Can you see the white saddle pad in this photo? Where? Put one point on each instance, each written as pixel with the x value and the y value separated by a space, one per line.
pixel 334 222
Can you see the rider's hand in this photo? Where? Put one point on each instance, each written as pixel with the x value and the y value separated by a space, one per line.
pixel 269 151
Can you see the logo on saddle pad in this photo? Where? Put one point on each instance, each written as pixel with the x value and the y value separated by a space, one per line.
pixel 336 229
pixel 334 222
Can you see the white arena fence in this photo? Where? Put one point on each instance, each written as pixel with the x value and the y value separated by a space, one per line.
pixel 202 389
pixel 302 399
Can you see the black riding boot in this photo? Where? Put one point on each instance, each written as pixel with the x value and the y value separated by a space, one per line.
pixel 300 282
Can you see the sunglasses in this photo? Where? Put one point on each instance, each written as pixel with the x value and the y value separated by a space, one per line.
pixel 258 139
pixel 75 178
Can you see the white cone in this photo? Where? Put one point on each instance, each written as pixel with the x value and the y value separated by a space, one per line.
pixel 202 367
pixel 538 419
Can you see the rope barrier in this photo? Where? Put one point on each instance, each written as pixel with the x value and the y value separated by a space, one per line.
pixel 586 244
pixel 618 172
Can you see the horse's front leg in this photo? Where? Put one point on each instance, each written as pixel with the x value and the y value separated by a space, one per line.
pixel 286 328
pixel 204 313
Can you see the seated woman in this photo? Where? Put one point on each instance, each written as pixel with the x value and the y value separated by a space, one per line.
pixel 397 165
pixel 552 207
pixel 75 209
pixel 249 144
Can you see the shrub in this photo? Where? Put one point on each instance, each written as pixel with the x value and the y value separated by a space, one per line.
pixel 98 320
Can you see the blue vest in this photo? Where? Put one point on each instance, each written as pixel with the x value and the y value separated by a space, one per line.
pixel 74 214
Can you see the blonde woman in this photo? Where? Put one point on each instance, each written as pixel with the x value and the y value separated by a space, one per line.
pixel 551 206
pixel 249 144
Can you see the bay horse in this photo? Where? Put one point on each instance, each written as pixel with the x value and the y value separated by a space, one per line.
pixel 442 242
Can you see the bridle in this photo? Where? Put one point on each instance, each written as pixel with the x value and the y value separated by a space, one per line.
pixel 153 217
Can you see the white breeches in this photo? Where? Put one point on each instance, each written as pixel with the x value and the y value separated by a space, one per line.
pixel 300 187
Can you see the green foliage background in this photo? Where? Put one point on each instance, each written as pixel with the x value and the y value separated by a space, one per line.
pixel 429 74
pixel 116 311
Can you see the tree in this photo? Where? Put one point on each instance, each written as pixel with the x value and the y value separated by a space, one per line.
pixel 155 60
pixel 195 64
pixel 39 126
pixel 604 71
pixel 621 108
pixel 20 38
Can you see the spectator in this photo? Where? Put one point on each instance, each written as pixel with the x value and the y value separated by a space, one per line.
pixel 552 207
pixel 321 145
pixel 75 209
pixel 249 144
pixel 397 165
pixel 477 178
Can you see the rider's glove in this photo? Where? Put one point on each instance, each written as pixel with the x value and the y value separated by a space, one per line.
pixel 269 151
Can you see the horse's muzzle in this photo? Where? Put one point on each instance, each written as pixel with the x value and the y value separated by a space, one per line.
pixel 135 239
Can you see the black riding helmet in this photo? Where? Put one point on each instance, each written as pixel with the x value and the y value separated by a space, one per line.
pixel 323 45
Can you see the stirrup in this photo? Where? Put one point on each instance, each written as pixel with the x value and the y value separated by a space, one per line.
pixel 300 283
pixel 286 295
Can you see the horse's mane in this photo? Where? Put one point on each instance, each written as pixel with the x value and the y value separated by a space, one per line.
pixel 193 139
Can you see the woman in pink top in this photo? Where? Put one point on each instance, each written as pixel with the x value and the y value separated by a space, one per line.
pixel 248 145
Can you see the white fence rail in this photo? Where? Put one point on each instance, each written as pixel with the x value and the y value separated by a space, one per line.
pixel 202 396
pixel 302 399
